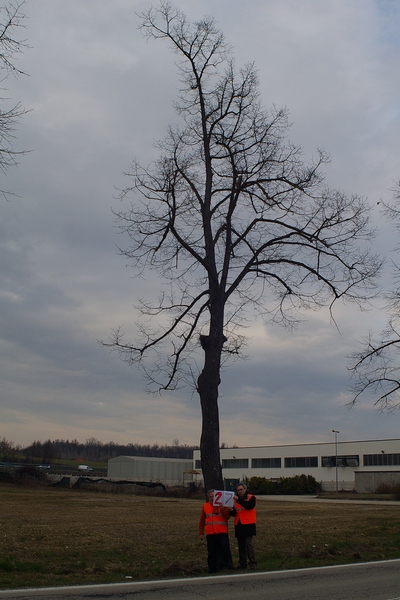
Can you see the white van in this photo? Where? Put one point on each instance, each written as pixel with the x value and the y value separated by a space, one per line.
pixel 84 468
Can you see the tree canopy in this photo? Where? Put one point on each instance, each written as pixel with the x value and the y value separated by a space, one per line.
pixel 376 367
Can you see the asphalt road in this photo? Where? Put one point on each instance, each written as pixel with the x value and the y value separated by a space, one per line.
pixel 367 581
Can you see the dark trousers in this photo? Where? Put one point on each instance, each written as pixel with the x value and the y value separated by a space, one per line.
pixel 246 552
pixel 219 552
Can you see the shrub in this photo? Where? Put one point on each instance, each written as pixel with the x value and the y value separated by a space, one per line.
pixel 262 486
pixel 389 488
pixel 299 484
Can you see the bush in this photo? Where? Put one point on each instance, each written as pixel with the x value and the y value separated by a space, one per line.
pixel 262 486
pixel 389 488
pixel 299 484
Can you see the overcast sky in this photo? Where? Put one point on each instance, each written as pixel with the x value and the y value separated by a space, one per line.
pixel 100 94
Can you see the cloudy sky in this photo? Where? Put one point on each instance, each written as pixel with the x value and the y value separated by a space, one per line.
pixel 99 94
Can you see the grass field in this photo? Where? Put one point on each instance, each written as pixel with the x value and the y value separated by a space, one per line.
pixel 66 537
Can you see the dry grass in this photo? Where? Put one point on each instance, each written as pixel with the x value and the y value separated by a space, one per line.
pixel 61 537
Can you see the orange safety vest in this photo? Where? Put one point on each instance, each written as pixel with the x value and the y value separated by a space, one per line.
pixel 247 517
pixel 215 522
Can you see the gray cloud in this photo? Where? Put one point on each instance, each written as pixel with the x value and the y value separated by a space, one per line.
pixel 100 94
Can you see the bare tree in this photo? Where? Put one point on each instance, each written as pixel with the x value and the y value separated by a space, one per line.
pixel 376 368
pixel 11 20
pixel 8 450
pixel 234 222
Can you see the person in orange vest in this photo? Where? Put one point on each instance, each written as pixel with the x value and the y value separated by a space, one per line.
pixel 214 524
pixel 245 525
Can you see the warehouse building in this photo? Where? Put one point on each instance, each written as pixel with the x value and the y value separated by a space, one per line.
pixel 341 465
pixel 169 471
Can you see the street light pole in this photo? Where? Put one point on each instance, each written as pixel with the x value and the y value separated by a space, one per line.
pixel 335 431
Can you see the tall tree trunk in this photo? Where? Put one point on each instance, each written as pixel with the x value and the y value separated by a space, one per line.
pixel 207 386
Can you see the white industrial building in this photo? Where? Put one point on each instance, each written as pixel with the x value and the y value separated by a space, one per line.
pixel 169 471
pixel 359 465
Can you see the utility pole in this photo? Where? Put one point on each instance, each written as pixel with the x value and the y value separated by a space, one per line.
pixel 335 431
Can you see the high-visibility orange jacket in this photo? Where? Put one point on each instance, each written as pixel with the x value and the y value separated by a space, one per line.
pixel 213 519
pixel 245 515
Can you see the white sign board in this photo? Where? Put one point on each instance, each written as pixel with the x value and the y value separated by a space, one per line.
pixel 222 498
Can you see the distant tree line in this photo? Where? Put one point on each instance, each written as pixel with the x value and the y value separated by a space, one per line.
pixel 91 450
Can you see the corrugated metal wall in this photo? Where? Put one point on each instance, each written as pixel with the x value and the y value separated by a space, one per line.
pixel 168 471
